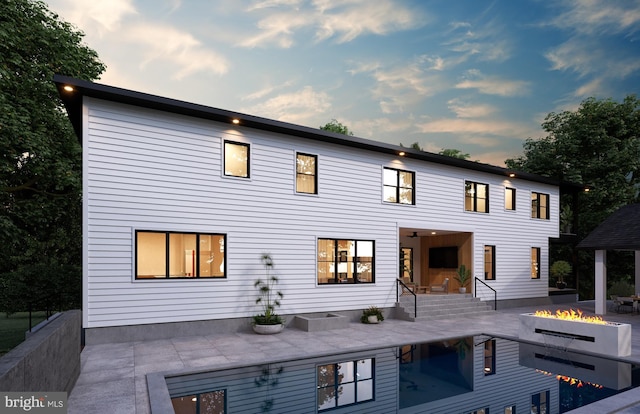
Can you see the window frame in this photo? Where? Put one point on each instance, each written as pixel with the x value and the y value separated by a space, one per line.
pixel 224 158
pixel 315 174
pixel 474 197
pixel 537 256
pixel 340 256
pixel 536 203
pixel 398 187
pixel 489 357
pixel 493 262
pixel 167 275
pixel 510 193
pixel 337 384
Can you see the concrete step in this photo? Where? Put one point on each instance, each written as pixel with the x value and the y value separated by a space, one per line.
pixel 430 307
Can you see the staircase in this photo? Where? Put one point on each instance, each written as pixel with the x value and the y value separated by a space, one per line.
pixel 431 307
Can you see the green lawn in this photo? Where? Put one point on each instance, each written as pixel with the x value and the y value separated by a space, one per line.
pixel 12 329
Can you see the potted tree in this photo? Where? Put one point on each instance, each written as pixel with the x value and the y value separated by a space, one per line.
pixel 372 314
pixel 463 275
pixel 268 322
pixel 559 270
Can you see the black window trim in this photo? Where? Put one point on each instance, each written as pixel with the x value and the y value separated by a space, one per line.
pixel 224 156
pixel 398 187
pixel 475 197
pixel 167 233
pixel 493 261
pixel 336 255
pixel 315 173
pixel 539 260
pixel 538 209
pixel 355 381
pixel 513 201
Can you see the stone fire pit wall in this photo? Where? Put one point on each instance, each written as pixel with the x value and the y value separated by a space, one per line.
pixel 613 339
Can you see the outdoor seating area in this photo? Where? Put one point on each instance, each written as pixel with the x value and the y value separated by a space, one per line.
pixel 624 304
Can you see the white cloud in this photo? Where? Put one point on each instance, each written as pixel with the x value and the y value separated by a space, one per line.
pixel 168 44
pixel 487 43
pixel 587 57
pixel 493 85
pixel 267 90
pixel 342 20
pixel 297 107
pixel 592 88
pixel 465 110
pixel 599 17
pixel 99 17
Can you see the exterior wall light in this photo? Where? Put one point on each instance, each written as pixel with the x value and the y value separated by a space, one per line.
pixel 235 121
pixel 68 88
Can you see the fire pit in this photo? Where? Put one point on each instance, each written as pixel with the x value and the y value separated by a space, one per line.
pixel 573 330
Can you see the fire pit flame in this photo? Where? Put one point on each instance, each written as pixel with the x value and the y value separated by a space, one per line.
pixel 571 315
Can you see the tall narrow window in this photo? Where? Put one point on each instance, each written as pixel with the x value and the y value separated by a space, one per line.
pixel 398 186
pixel 540 206
pixel 345 261
pixel 406 263
pixel 489 262
pixel 476 197
pixel 345 383
pixel 236 159
pixel 162 255
pixel 509 198
pixel 490 357
pixel 306 173
pixel 535 263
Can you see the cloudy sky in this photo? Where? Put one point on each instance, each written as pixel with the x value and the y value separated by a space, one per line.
pixel 475 75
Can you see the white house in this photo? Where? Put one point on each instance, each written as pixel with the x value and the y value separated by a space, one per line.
pixel 181 200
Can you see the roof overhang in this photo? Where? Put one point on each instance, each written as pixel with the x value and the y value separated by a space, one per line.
pixel 72 100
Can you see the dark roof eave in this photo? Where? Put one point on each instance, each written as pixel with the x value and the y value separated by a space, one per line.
pixel 73 103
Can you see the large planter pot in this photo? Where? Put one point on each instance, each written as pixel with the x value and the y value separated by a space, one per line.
pixel 561 285
pixel 268 329
pixel 373 319
pixel 463 290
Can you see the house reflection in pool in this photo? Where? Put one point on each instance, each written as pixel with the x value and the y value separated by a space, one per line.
pixel 470 374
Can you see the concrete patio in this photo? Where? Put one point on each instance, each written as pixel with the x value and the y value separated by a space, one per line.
pixel 113 377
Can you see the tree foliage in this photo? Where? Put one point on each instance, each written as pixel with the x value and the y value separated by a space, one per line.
pixel 455 153
pixel 337 127
pixel 40 164
pixel 597 145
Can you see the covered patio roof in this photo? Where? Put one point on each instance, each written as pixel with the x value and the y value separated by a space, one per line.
pixel 620 231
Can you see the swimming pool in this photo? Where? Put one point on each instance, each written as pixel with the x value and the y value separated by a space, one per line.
pixel 479 374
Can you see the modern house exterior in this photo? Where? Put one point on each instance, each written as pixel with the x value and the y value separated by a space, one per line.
pixel 181 200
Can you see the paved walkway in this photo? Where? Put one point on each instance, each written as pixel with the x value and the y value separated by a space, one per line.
pixel 113 376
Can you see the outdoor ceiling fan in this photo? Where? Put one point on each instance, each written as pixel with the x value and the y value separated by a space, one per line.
pixel 414 235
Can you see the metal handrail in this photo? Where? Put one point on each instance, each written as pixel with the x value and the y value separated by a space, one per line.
pixel 495 293
pixel 408 289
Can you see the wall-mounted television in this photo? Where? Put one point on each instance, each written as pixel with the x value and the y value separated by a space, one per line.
pixel 443 257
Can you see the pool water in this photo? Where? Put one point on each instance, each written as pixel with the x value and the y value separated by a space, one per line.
pixel 479 374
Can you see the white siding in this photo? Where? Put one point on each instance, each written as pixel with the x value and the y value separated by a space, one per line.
pixel 150 170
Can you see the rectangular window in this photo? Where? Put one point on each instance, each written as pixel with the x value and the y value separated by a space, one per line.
pixel 490 357
pixel 535 263
pixel 345 261
pixel 398 186
pixel 306 173
pixel 209 402
pixel 236 159
pixel 489 262
pixel 540 403
pixel 346 383
pixel 406 264
pixel 510 409
pixel 178 255
pixel 510 199
pixel 476 197
pixel 540 206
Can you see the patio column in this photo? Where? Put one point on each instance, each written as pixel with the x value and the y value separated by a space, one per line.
pixel 601 282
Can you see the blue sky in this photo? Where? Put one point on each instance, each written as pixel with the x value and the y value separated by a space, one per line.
pixel 479 76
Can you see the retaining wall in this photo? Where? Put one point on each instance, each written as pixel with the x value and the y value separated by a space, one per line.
pixel 49 360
